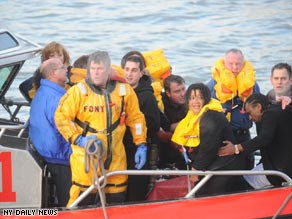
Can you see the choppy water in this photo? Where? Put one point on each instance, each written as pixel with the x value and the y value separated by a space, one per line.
pixel 193 34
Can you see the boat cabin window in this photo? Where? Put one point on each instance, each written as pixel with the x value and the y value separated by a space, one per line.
pixel 4 73
pixel 7 75
pixel 7 41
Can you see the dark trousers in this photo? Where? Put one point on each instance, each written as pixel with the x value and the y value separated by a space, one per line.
pixel 170 157
pixel 224 184
pixel 220 185
pixel 138 186
pixel 62 178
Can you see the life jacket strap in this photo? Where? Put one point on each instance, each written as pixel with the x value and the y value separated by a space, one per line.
pixel 107 185
pixel 86 128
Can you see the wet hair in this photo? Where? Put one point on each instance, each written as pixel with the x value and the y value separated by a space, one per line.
pixel 204 90
pixel 81 62
pixel 53 47
pixel 136 59
pixel 234 50
pixel 100 57
pixel 282 65
pixel 172 79
pixel 132 53
pixel 257 98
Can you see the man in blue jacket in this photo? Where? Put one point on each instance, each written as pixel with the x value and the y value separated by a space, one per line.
pixel 42 129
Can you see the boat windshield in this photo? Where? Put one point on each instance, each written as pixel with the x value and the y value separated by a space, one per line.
pixel 7 42
pixel 4 73
pixel 7 75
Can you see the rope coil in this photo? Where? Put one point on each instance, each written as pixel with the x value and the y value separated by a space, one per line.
pixel 94 153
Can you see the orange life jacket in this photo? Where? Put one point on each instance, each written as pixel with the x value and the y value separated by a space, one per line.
pixel 229 86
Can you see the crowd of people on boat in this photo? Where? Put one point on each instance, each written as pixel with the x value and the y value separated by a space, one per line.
pixel 145 117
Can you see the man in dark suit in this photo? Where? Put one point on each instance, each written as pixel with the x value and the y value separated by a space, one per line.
pixel 273 140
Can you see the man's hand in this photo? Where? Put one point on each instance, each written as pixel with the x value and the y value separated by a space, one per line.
pixel 285 100
pixel 194 178
pixel 82 141
pixel 164 136
pixel 228 149
pixel 141 156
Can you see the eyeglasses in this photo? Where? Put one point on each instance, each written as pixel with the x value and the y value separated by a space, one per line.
pixel 62 68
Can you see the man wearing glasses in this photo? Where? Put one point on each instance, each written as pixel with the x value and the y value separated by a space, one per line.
pixel 42 129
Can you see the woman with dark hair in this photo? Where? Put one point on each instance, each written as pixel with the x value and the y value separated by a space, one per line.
pixel 201 133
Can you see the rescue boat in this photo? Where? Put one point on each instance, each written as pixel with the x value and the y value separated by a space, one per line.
pixel 25 184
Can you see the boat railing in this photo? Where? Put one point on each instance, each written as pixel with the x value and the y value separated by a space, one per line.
pixel 20 127
pixel 207 175
pixel 191 193
pixel 13 107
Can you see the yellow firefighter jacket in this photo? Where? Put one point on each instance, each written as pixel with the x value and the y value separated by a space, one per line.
pixel 101 108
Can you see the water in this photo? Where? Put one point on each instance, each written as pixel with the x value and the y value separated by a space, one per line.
pixel 193 34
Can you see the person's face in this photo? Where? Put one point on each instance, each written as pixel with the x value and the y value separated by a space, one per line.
pixel 98 74
pixel 132 73
pixel 281 82
pixel 58 55
pixel 234 62
pixel 61 74
pixel 255 113
pixel 176 93
pixel 196 101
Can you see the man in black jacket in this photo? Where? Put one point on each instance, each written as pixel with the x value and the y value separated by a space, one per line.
pixel 273 140
pixel 133 66
pixel 175 109
pixel 281 78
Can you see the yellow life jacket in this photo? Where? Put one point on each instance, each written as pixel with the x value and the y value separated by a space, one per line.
pixel 77 74
pixel 158 68
pixel 156 85
pixel 32 92
pixel 228 86
pixel 157 65
pixel 118 70
pixel 187 132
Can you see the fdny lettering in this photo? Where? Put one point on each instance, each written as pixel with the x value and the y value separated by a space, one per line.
pixel 94 108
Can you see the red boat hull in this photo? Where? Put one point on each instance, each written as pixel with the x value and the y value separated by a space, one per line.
pixel 257 204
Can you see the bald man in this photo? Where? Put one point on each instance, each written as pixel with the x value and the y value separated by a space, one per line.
pixel 233 81
pixel 42 129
